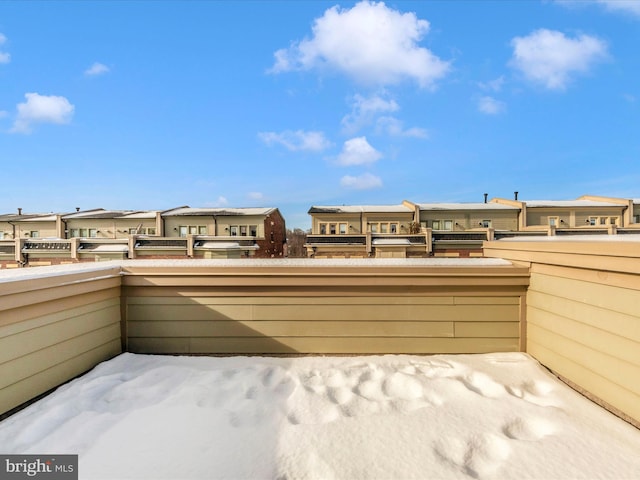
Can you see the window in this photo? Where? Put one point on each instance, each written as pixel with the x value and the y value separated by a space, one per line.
pixel 182 230
pixel 553 221
pixel 636 219
pixel 93 232
pixel 333 228
pixel 253 230
pixel 383 227
pixel 233 230
pixel 133 231
pixel 193 230
pixel 202 230
pixel 151 231
pixel 74 232
pixel 486 223
pixel 34 233
pixel 603 221
pixel 243 230
pixel 442 224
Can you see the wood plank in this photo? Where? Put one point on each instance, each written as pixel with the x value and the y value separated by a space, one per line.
pixel 323 300
pixel 611 298
pixel 37 384
pixel 617 371
pixel 28 365
pixel 49 318
pixel 289 329
pixel 61 305
pixel 326 312
pixel 487 329
pixel 30 297
pixel 616 323
pixel 32 340
pixel 355 346
pixel 591 337
pixel 602 387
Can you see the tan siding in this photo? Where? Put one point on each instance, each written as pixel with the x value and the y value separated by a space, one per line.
pixel 583 314
pixel 55 375
pixel 363 319
pixel 321 345
pixel 54 328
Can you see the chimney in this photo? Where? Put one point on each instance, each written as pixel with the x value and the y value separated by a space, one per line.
pixel 485 197
pixel 19 211
pixel 515 196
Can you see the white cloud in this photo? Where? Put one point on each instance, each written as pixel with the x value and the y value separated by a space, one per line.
pixel 255 195
pixel 494 85
pixel 394 127
pixel 96 69
pixel 297 141
pixel 364 110
pixel 221 201
pixel 370 42
pixel 4 113
pixel 365 181
pixel 42 109
pixel 626 6
pixel 4 57
pixel 490 105
pixel 357 151
pixel 550 58
pixel 623 6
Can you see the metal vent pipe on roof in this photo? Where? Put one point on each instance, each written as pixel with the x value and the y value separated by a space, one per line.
pixel 485 197
pixel 19 211
pixel 515 195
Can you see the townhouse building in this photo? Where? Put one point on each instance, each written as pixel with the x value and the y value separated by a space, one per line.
pixel 99 234
pixel 459 229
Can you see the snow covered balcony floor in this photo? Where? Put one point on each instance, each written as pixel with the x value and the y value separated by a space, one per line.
pixel 484 416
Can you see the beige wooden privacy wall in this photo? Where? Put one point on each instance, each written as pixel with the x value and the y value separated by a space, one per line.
pixel 319 308
pixel 62 321
pixel 55 326
pixel 583 313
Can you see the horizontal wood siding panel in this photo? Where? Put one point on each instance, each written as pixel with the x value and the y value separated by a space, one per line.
pixel 216 297
pixel 605 365
pixel 55 374
pixel 17 369
pixel 331 324
pixel 594 338
pixel 29 336
pixel 258 329
pixel 601 386
pixel 362 311
pixel 616 323
pixel 56 292
pixel 612 298
pixel 321 345
pixel 487 329
pixel 39 310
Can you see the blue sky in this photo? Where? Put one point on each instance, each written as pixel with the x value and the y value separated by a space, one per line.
pixel 288 104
